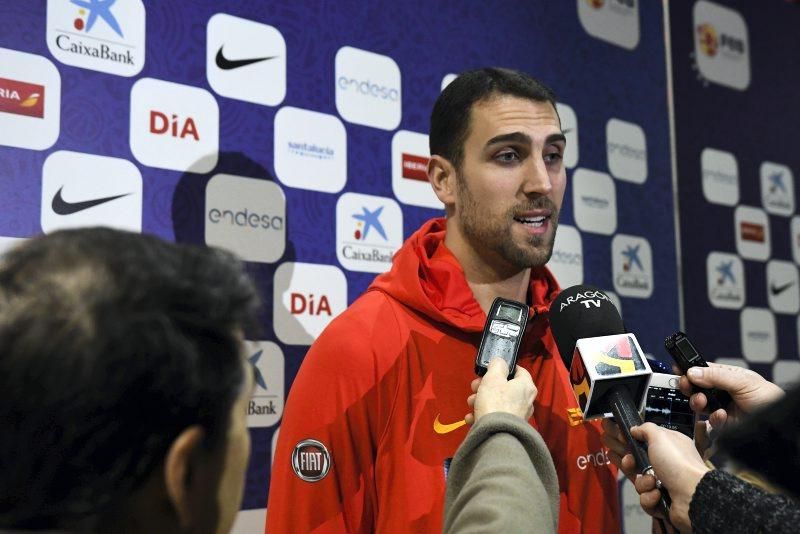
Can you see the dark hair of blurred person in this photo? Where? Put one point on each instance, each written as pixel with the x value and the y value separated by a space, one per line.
pixel 123 384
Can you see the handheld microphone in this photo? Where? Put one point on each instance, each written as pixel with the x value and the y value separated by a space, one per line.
pixel 608 370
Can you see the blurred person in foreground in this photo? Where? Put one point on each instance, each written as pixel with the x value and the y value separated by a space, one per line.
pixel 123 385
pixel 713 500
pixel 502 478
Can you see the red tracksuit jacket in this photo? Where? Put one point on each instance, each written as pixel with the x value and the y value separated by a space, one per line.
pixel 384 389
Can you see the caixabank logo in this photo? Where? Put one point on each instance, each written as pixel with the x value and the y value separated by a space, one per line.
pixel 722 49
pixel 613 21
pixel 246 216
pixel 310 150
pixel 777 188
pixel 103 35
pixel 307 298
pixel 725 280
pixel 369 230
pixel 266 406
pixel 77 192
pixel 30 100
pixel 632 264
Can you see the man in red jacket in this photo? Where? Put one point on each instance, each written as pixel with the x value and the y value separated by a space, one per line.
pixel 377 409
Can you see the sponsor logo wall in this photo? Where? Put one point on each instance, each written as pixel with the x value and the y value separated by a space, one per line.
pixel 739 227
pixel 299 141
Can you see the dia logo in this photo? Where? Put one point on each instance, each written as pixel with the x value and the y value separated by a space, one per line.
pixel 307 297
pixel 267 361
pixel 174 126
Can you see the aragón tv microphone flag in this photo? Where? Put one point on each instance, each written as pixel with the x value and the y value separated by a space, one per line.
pixel 608 371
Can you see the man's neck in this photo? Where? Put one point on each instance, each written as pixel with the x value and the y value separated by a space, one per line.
pixel 489 277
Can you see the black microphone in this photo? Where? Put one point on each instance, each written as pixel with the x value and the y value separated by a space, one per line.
pixel 608 370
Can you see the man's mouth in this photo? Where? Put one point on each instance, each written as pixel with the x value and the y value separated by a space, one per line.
pixel 533 222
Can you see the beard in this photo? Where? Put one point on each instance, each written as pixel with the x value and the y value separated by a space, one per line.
pixel 495 234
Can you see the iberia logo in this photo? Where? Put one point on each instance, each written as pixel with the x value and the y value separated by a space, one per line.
pixel 597 4
pixel 707 37
pixel 21 98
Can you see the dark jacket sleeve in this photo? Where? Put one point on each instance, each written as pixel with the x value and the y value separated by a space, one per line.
pixel 502 479
pixel 726 504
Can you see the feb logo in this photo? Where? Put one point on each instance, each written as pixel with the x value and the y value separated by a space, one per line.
pixel 311 460
pixel 620 357
pixel 597 4
pixel 707 39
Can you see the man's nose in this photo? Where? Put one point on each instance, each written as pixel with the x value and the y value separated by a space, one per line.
pixel 536 179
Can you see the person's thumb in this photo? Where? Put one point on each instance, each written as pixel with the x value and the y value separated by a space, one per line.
pixel 498 368
pixel 644 432
pixel 719 377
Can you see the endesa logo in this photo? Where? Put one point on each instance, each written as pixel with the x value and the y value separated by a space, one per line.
pixel 613 21
pixel 266 406
pixel 569 125
pixel 566 262
pixel 795 238
pixel 632 261
pixel 306 299
pixel 174 126
pixel 21 98
pixel 102 35
pixel 30 100
pixel 626 147
pixel 720 177
pixel 752 233
pixel 721 45
pixel 369 230
pixel 368 88
pixel 725 277
pixel 246 216
pixel 410 156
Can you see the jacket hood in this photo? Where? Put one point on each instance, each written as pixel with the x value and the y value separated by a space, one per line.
pixel 426 277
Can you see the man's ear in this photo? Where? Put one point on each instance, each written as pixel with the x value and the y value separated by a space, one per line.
pixel 442 176
pixel 180 466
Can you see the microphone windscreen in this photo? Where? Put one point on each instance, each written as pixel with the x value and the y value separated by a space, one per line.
pixel 581 312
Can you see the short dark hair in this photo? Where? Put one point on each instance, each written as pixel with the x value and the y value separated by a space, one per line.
pixel 450 118
pixel 111 344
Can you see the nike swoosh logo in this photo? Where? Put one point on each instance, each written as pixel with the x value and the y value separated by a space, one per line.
pixel 62 207
pixel 777 290
pixel 228 64
pixel 440 428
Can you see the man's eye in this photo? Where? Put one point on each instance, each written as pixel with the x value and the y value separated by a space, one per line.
pixel 553 157
pixel 507 157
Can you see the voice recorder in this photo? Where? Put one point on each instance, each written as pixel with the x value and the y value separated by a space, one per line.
pixel 686 356
pixel 502 334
